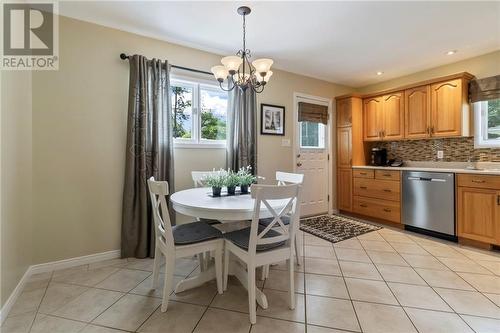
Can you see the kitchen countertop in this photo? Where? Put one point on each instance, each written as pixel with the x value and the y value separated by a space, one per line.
pixel 483 168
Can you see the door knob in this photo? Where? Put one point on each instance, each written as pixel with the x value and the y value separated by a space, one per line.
pixel 299 164
pixel 298 155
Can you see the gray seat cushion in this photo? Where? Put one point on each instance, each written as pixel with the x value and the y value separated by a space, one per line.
pixel 265 222
pixel 241 238
pixel 194 232
pixel 210 221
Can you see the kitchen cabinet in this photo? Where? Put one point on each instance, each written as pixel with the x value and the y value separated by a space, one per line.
pixel 350 147
pixel 478 208
pixel 384 117
pixel 447 102
pixel 344 150
pixel 434 108
pixel 344 112
pixel 372 118
pixel 377 193
pixel 417 112
pixel 344 184
pixel 393 113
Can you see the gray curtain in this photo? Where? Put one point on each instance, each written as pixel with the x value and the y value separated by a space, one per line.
pixel 149 151
pixel 242 129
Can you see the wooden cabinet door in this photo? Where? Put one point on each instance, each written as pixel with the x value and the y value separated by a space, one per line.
pixel 446 108
pixel 372 119
pixel 417 112
pixel 344 112
pixel 393 114
pixel 344 147
pixel 478 214
pixel 344 189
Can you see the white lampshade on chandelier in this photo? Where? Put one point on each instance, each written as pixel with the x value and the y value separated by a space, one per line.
pixel 237 69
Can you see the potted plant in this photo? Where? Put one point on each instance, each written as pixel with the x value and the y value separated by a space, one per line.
pixel 232 180
pixel 216 181
pixel 245 179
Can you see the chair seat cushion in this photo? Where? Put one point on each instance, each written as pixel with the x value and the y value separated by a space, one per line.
pixel 209 221
pixel 194 232
pixel 241 238
pixel 265 222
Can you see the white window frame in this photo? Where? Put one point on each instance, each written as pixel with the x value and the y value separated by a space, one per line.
pixel 481 126
pixel 196 141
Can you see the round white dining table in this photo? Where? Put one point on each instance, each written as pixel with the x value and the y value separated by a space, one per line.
pixel 198 202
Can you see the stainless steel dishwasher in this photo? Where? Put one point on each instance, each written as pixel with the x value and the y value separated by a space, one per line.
pixel 429 202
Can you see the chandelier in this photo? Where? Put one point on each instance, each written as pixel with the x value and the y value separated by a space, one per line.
pixel 238 70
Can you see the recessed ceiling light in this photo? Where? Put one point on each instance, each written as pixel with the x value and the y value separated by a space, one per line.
pixel 451 52
pixel 380 73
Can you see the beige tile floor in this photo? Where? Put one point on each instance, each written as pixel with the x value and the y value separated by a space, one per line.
pixel 385 281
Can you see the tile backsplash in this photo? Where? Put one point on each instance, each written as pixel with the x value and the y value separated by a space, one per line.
pixel 455 150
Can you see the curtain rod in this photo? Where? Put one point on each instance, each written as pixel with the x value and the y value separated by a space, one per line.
pixel 123 56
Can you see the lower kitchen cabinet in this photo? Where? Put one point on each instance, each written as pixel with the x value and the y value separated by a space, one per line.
pixel 478 211
pixel 344 189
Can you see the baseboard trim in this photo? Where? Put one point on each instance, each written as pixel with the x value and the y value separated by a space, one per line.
pixel 13 296
pixel 51 266
pixel 72 262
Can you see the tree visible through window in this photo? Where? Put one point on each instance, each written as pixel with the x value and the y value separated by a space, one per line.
pixel 494 119
pixel 199 112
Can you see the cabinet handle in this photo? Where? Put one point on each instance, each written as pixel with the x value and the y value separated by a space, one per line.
pixel 386 175
pixel 363 205
pixel 387 190
pixel 480 181
pixel 363 173
pixel 432 130
pixel 387 210
pixel 363 187
pixel 498 200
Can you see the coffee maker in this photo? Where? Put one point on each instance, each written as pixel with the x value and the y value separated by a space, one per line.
pixel 379 156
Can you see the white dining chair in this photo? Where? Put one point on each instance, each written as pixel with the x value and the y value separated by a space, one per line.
pixel 184 240
pixel 284 178
pixel 259 246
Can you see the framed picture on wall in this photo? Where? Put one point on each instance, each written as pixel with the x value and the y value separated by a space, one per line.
pixel 272 119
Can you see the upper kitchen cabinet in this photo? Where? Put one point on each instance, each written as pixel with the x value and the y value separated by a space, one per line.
pixel 344 112
pixel 449 109
pixel 434 108
pixel 384 117
pixel 417 112
pixel 372 118
pixel 393 113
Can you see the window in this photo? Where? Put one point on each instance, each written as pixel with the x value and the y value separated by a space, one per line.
pixel 487 123
pixel 199 113
pixel 312 135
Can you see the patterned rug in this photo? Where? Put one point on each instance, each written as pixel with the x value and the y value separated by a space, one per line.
pixel 335 228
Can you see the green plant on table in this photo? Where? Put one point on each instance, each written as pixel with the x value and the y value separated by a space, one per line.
pixel 245 176
pixel 216 179
pixel 232 179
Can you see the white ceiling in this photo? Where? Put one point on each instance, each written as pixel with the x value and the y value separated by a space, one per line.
pixel 341 42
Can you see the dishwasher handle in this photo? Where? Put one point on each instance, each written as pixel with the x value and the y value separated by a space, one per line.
pixel 426 179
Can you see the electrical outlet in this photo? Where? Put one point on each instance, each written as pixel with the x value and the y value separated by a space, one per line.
pixel 440 154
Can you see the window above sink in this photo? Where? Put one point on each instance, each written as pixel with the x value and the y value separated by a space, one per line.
pixel 487 124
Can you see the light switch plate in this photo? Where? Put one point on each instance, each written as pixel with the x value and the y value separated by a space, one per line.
pixel 285 142
pixel 440 154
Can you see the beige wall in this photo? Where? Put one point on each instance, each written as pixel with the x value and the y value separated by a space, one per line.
pixel 483 66
pixel 16 167
pixel 79 116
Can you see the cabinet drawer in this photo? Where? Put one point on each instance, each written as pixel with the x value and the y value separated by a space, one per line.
pixel 386 174
pixel 382 209
pixel 479 181
pixel 363 173
pixel 378 189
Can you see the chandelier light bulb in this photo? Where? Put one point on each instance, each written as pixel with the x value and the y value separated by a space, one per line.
pixel 232 63
pixel 220 72
pixel 264 79
pixel 262 65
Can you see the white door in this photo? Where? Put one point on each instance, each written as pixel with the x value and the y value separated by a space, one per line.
pixel 312 160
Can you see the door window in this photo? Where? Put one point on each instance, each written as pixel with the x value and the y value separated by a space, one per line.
pixel 312 135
